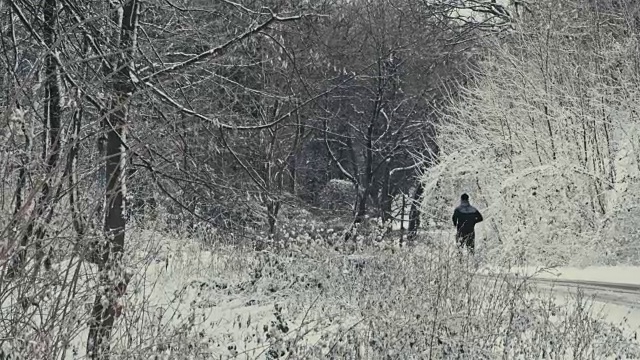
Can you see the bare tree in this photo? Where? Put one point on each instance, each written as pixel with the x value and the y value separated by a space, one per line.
pixel 378 121
pixel 211 115
pixel 113 280
pixel 44 206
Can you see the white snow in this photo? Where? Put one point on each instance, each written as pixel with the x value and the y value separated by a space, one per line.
pixel 609 274
pixel 621 308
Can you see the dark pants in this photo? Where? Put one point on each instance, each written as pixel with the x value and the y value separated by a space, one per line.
pixel 467 240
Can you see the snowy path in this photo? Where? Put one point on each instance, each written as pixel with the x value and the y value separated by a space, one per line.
pixel 613 291
pixel 616 303
pixel 618 285
pixel 620 293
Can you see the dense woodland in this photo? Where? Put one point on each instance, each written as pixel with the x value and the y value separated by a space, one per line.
pixel 255 123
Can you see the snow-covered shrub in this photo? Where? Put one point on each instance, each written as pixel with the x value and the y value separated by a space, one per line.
pixel 621 233
pixel 312 302
pixel 305 231
pixel 545 140
pixel 307 301
pixel 338 194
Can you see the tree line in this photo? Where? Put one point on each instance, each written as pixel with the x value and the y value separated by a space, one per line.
pixel 218 114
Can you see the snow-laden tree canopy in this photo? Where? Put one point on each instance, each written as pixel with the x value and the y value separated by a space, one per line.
pixel 546 140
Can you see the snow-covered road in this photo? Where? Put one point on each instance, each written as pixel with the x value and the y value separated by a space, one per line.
pixel 613 291
pixel 610 292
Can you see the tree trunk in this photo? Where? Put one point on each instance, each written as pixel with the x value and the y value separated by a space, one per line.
pixel 414 213
pixel 110 257
pixel 402 211
pixel 72 171
pixel 22 205
pixel 368 173
pixel 386 199
pixel 362 205
pixel 51 140
pixel 273 207
pixel 293 158
pixel 53 112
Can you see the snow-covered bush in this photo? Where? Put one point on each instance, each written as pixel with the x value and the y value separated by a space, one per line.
pixel 307 301
pixel 420 303
pixel 545 140
pixel 338 194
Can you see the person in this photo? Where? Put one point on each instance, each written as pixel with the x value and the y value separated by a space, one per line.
pixel 465 217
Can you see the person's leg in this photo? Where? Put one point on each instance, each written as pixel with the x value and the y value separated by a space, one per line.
pixel 471 242
pixel 459 245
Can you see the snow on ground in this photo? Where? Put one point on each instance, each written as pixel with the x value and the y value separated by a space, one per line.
pixel 617 306
pixel 227 302
pixel 608 274
pixel 619 309
pixel 232 303
pixel 233 308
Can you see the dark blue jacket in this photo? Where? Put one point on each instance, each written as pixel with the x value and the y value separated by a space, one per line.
pixel 465 217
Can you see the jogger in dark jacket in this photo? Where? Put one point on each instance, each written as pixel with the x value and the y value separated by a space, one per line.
pixel 465 217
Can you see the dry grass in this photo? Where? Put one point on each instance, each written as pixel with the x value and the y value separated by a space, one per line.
pixel 308 301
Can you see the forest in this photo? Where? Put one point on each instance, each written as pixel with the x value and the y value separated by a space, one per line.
pixel 199 179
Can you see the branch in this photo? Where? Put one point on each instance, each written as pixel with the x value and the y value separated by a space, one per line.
pixel 333 157
pixel 171 4
pixel 220 49
pixel 55 56
pixel 411 167
pixel 257 179
pixel 243 8
pixel 168 99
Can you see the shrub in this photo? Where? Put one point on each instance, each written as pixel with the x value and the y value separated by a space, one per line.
pixel 338 194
